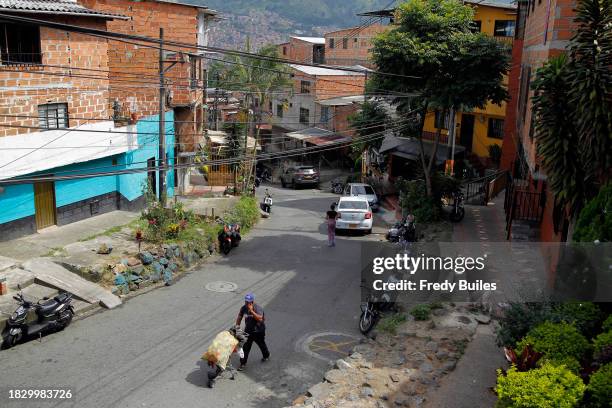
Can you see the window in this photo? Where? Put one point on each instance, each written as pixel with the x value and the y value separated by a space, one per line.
pixel 332 43
pixel 504 28
pixel 353 205
pixel 524 92
pixel 476 26
pixel 325 114
pixel 305 87
pixel 284 50
pixel 345 43
pixel 496 128
pixel 279 110
pixel 304 116
pixel 19 44
pixel 53 116
pixel 440 122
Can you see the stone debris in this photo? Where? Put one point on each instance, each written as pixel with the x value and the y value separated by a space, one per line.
pixel 395 370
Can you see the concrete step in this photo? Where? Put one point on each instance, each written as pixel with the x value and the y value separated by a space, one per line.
pixel 51 274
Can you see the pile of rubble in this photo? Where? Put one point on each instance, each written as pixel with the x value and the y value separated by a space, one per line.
pixel 397 370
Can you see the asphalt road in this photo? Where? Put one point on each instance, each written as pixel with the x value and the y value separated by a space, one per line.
pixel 147 352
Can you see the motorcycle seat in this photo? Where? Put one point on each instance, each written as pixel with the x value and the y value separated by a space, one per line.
pixel 62 297
pixel 48 306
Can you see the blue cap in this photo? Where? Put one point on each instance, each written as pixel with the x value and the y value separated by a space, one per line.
pixel 249 297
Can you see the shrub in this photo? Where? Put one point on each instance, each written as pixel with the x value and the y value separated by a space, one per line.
pixel 601 341
pixel 599 390
pixel 607 324
pixel 245 212
pixel 390 323
pixel 518 319
pixel 420 312
pixel 594 222
pixel 584 315
pixel 561 343
pixel 549 386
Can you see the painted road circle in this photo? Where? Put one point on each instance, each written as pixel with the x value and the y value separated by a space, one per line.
pixel 221 286
pixel 328 346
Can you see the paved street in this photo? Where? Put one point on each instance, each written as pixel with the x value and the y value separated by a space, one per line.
pixel 147 352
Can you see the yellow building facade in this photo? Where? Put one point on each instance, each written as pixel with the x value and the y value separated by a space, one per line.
pixel 478 129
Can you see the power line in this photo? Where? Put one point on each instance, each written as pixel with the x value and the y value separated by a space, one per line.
pixel 178 44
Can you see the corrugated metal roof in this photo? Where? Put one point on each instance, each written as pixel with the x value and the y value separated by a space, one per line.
pixel 307 69
pixel 63 7
pixel 313 40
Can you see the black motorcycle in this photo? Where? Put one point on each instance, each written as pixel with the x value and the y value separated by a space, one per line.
pixel 403 230
pixel 34 318
pixel 375 306
pixel 458 212
pixel 337 186
pixel 229 237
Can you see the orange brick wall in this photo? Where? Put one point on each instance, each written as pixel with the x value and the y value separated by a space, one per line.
pixel 296 50
pixel 86 97
pixel 358 47
pixel 334 86
pixel 146 18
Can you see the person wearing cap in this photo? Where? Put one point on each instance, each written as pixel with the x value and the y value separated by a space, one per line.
pixel 254 326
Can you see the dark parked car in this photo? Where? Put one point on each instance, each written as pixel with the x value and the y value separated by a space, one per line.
pixel 300 175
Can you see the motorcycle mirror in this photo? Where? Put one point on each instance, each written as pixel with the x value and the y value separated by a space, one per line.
pixel 19 286
pixel 16 298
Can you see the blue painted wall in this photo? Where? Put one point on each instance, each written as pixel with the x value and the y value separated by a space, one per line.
pixel 17 201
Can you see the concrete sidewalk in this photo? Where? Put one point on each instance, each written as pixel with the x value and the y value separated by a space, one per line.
pixel 39 244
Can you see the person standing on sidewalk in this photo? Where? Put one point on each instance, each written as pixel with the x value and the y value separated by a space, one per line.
pixel 332 215
pixel 255 327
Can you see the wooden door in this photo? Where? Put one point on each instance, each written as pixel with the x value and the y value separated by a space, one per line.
pixel 44 203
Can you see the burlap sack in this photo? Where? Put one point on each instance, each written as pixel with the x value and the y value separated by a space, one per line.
pixel 221 349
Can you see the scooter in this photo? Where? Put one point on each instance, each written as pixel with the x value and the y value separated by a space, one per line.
pixel 375 306
pixel 337 186
pixel 32 318
pixel 458 212
pixel 266 205
pixel 225 239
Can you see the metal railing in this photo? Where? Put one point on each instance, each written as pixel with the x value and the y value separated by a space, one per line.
pixel 524 206
pixel 482 190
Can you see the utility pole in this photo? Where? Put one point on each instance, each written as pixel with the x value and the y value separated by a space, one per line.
pixel 162 122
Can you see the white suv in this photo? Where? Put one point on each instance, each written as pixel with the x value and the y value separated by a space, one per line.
pixel 354 213
pixel 362 190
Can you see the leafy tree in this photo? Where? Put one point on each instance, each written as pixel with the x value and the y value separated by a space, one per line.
pixel 437 56
pixel 372 119
pixel 258 78
pixel 595 220
pixel 573 111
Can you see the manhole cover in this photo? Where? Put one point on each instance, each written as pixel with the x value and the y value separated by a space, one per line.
pixel 221 286
pixel 328 345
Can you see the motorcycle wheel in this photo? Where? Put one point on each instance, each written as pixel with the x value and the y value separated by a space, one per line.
pixel 10 341
pixel 457 216
pixel 226 247
pixel 366 323
pixel 337 190
pixel 66 318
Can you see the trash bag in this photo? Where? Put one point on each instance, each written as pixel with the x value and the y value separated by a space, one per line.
pixel 221 349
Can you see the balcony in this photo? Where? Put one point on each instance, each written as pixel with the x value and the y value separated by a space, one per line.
pixel 504 39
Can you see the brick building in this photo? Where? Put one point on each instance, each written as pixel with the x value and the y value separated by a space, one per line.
pixel 303 49
pixel 311 85
pixel 73 105
pixel 543 31
pixel 351 46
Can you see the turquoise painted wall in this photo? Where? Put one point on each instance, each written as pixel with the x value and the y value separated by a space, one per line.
pixel 17 201
pixel 131 185
pixel 71 191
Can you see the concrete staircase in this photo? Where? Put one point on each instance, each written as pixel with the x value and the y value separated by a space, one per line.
pixel 524 231
pixel 40 278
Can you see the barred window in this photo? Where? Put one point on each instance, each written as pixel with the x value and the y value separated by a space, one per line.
pixel 332 43
pixel 53 116
pixel 304 116
pixel 325 114
pixel 305 87
pixel 279 110
pixel 496 128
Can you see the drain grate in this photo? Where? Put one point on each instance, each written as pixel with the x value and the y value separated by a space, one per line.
pixel 221 286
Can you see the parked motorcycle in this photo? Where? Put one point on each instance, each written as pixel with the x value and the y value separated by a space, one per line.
pixel 266 204
pixel 375 306
pixel 404 230
pixel 458 212
pixel 229 237
pixel 337 186
pixel 32 318
pixel 262 176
